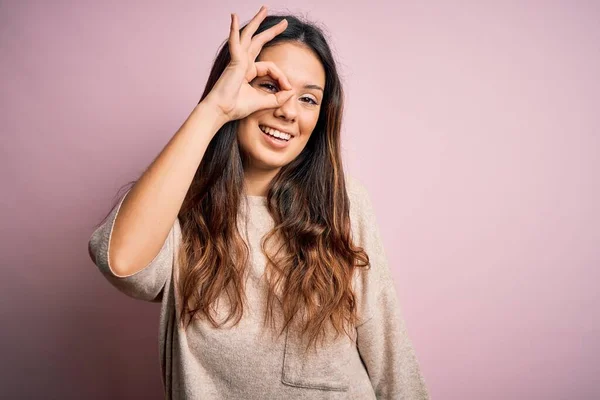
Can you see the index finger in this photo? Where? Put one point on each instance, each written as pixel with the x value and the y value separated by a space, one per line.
pixel 270 68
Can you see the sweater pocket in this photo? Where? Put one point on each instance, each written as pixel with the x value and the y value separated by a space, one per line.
pixel 326 368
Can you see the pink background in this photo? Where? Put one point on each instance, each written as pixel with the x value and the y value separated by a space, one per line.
pixel 474 126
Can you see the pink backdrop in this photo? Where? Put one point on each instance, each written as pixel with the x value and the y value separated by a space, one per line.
pixel 475 128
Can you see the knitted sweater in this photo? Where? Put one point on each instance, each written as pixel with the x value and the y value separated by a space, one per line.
pixel 243 362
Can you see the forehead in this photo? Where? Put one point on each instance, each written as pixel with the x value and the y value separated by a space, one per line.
pixel 299 64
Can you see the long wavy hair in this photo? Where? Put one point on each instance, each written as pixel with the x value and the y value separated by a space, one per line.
pixel 310 274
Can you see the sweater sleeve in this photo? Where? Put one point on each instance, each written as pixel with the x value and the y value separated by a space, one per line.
pixel 146 284
pixel 382 338
pixel 387 352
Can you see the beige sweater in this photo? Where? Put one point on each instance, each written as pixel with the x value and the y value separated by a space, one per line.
pixel 243 362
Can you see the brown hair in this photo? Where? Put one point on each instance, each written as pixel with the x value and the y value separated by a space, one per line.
pixel 311 272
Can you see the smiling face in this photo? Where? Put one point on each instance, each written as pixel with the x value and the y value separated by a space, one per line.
pixel 295 119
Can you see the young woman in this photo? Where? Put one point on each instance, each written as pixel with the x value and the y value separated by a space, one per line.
pixel 266 257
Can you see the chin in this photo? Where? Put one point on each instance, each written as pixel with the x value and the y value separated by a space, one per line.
pixel 266 161
pixel 260 153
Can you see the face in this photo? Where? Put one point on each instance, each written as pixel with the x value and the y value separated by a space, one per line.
pixel 297 117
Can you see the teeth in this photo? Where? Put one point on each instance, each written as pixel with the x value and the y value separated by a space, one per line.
pixel 275 132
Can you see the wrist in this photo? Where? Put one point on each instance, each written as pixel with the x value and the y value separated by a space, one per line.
pixel 208 112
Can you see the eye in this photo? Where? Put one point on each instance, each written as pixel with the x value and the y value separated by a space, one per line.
pixel 268 86
pixel 271 87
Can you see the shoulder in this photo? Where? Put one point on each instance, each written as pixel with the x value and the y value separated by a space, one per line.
pixel 369 282
pixel 362 214
pixel 358 195
pixel 356 190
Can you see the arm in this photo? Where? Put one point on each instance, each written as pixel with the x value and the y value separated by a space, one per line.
pixel 382 339
pixel 387 351
pixel 145 284
pixel 134 247
pixel 150 208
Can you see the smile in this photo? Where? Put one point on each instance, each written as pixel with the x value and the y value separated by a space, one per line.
pixel 278 135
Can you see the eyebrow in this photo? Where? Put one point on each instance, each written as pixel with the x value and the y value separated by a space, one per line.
pixel 317 87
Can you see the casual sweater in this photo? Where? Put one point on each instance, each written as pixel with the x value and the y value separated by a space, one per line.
pixel 244 362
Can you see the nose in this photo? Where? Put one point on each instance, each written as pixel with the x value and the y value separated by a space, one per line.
pixel 288 109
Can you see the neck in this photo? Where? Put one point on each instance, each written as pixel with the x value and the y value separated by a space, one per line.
pixel 257 180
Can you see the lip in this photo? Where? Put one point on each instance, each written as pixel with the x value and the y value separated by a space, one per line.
pixel 280 130
pixel 274 143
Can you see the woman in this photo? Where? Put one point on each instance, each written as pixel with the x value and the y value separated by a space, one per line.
pixel 265 255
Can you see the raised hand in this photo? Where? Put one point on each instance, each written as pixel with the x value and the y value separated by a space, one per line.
pixel 232 94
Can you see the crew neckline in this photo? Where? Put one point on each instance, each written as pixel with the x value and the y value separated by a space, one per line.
pixel 256 199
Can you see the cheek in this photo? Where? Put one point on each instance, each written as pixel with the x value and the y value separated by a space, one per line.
pixel 244 136
pixel 246 126
pixel 307 127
